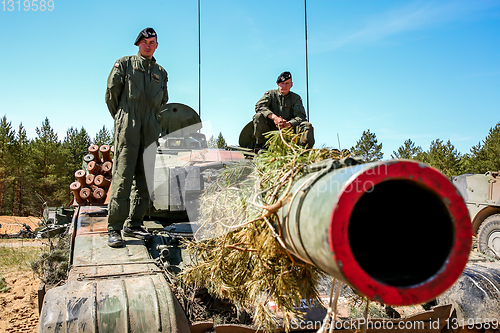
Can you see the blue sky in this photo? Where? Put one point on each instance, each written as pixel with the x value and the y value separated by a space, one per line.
pixel 420 70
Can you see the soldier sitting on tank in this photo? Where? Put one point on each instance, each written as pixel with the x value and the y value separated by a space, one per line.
pixel 136 90
pixel 281 108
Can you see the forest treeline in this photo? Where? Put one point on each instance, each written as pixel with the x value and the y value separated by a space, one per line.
pixel 483 157
pixel 37 172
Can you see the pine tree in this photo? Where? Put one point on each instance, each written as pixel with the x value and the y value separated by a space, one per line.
pixel 485 156
pixel 443 157
pixel 367 147
pixel 23 179
pixel 76 144
pixel 49 168
pixel 7 136
pixel 407 151
pixel 212 143
pixel 103 137
pixel 221 142
pixel 468 164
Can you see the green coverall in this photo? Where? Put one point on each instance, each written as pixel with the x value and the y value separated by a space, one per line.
pixel 288 107
pixel 137 87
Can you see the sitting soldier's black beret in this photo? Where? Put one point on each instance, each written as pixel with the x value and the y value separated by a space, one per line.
pixel 145 33
pixel 283 77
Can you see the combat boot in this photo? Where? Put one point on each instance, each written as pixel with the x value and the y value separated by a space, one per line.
pixel 137 232
pixel 115 238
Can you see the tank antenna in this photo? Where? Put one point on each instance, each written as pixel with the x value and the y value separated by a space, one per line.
pixel 199 61
pixel 307 63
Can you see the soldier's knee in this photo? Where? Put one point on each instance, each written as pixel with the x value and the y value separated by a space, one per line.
pixel 307 137
pixel 305 125
pixel 262 125
pixel 259 118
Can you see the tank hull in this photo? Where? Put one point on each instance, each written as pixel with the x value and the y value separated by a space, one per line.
pixel 110 290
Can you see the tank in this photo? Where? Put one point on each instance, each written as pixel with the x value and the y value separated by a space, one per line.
pixel 342 216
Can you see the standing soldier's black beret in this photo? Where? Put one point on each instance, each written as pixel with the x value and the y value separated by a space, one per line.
pixel 283 77
pixel 145 33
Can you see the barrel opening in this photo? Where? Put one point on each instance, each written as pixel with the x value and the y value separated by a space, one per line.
pixel 401 233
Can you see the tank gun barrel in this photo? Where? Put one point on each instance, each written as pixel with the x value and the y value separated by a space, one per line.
pixel 397 231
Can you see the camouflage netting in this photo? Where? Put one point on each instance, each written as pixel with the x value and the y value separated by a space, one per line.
pixel 237 251
pixel 52 266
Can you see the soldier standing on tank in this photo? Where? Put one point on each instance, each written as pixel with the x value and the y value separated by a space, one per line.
pixel 136 89
pixel 281 108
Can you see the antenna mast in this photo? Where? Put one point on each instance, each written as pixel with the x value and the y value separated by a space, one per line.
pixel 307 62
pixel 199 61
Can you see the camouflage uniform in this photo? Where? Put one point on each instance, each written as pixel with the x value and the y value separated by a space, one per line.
pixel 136 89
pixel 289 107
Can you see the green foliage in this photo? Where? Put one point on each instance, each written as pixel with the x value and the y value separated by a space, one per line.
pixel 368 148
pixel 221 142
pixel 245 260
pixel 3 285
pixel 212 143
pixel 443 157
pixel 17 257
pixel 39 170
pixel 407 151
pixel 23 179
pixel 485 156
pixel 103 137
pixel 52 266
pixel 6 141
pixel 75 145
pixel 49 166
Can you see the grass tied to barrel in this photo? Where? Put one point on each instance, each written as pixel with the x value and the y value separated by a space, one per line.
pixel 238 254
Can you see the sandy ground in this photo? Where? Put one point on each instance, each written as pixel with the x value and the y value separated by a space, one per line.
pixel 12 224
pixel 19 306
